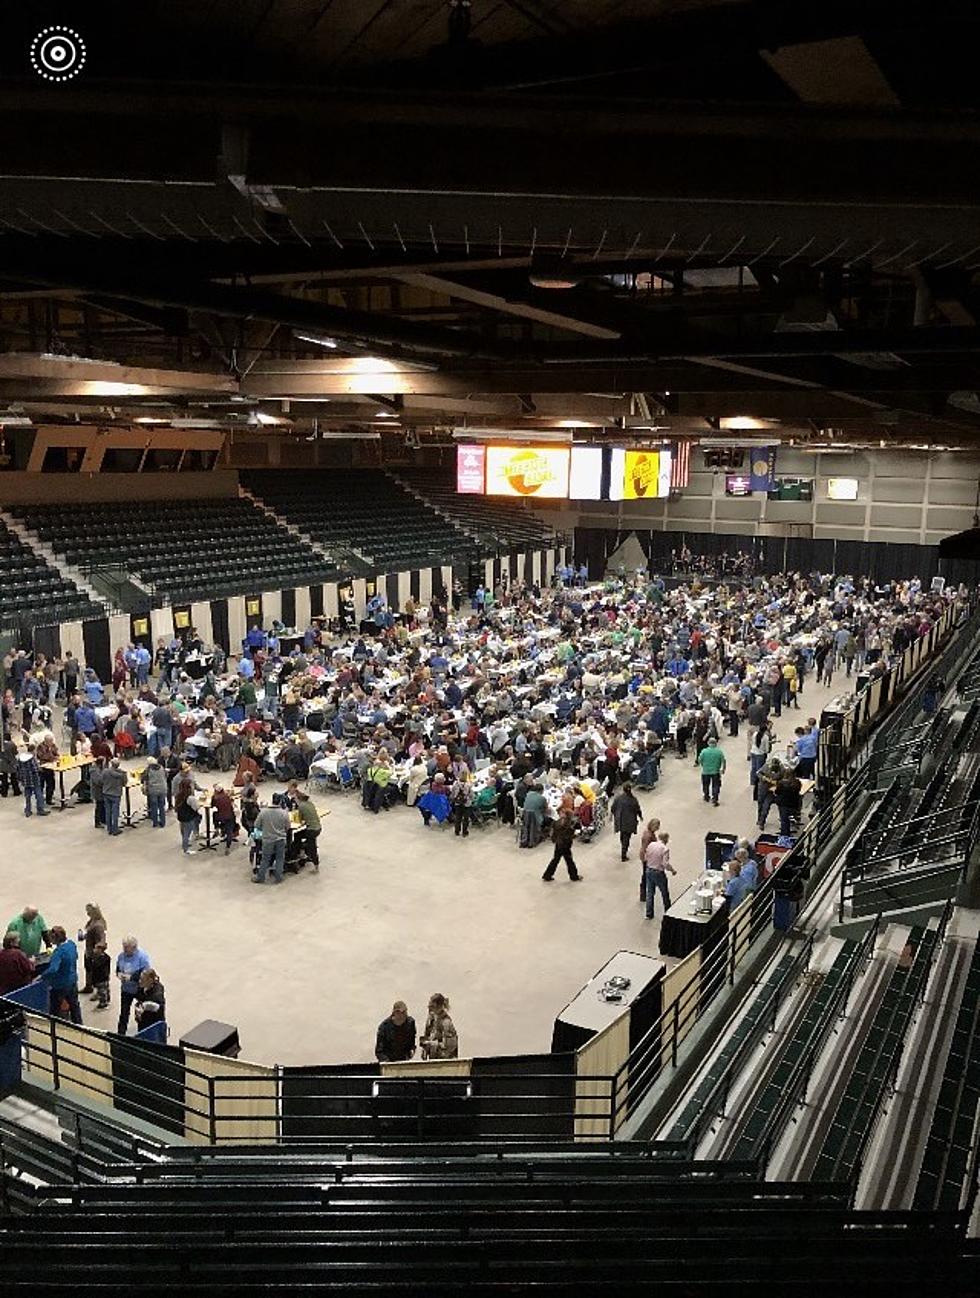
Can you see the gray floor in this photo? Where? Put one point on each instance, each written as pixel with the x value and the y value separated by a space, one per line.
pixel 306 970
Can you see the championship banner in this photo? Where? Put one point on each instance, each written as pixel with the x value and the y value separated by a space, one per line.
pixel 762 460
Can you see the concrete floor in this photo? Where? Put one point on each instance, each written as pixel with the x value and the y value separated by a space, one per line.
pixel 306 970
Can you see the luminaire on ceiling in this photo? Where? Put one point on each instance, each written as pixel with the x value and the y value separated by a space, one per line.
pixel 511 435
pixel 317 339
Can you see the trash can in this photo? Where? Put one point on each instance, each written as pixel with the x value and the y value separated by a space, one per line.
pixel 718 848
pixel 214 1037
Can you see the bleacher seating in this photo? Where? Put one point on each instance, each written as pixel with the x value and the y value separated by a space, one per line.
pixel 444 1221
pixel 183 549
pixel 877 1064
pixel 505 524
pixel 363 510
pixel 946 1162
pixel 33 592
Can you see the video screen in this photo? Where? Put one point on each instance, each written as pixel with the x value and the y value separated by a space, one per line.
pixel 585 479
pixel 842 488
pixel 738 484
pixel 529 471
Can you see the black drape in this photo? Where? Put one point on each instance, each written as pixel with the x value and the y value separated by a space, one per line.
pixel 288 606
pixel 219 623
pixel 502 1084
pixel 330 1101
pixel 47 641
pixel 148 1081
pixel 316 601
pixel 415 584
pixel 95 635
pixel 391 591
pixel 437 582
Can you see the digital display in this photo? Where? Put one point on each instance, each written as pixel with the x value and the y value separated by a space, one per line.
pixel 585 479
pixel 470 463
pixel 738 484
pixel 842 488
pixel 641 475
pixel 538 471
pixel 617 472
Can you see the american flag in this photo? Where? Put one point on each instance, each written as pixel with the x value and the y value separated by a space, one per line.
pixel 680 465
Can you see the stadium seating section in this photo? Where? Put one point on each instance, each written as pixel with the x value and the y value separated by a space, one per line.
pixel 183 550
pixel 366 511
pixel 32 591
pixel 504 523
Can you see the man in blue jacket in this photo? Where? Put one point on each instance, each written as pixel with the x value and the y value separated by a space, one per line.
pixel 61 976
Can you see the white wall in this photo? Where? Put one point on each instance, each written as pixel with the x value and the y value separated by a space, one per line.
pixel 903 496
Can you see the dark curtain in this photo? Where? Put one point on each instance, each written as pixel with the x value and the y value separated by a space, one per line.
pixel 528 566
pixel 288 607
pixel 316 601
pixel 415 585
pixel 47 641
pixel 95 636
pixel 219 623
pixel 437 587
pixel 391 591
pixel 328 1102
pixel 502 1084
pixel 148 1082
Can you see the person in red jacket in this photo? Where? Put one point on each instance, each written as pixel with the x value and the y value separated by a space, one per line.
pixel 16 969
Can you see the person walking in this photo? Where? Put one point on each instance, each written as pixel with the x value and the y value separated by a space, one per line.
pixel 61 975
pixel 113 782
pixel 712 763
pixel 439 1041
pixel 563 835
pixel 395 1040
pixel 272 824
pixel 627 814
pixel 130 963
pixel 154 783
pixel 759 751
pixel 656 867
pixel 93 932
pixel 461 799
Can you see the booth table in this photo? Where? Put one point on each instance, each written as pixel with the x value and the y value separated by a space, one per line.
pixel 681 932
pixel 588 1013
pixel 60 767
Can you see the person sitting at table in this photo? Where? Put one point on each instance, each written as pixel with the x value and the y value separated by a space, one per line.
pixel 248 770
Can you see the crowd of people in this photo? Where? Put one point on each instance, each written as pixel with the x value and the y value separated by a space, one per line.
pixel 32 949
pixel 548 709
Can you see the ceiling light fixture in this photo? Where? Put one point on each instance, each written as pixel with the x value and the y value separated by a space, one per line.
pixel 317 339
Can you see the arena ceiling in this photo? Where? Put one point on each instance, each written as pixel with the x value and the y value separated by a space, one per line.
pixel 524 211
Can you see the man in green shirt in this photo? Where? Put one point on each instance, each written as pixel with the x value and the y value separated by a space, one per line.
pixel 712 762
pixel 31 928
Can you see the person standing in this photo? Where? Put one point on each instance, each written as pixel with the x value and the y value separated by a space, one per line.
pixel 759 751
pixel 788 801
pixel 656 867
pixel 627 814
pixel 712 763
pixel 113 782
pixel 130 963
pixel 154 782
pixel 223 810
pixel 32 930
pixel 439 1040
pixel 16 969
pixel 187 811
pixel 461 799
pixel 92 934
pixel 272 823
pixel 151 1001
pixel 99 974
pixel 312 827
pixel 29 774
pixel 395 1040
pixel 563 835
pixel 61 975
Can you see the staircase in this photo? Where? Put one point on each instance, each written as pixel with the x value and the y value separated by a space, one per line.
pixel 358 564
pixel 57 563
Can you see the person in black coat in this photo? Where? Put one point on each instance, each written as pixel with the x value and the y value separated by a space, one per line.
pixel 627 814
pixel 396 1037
